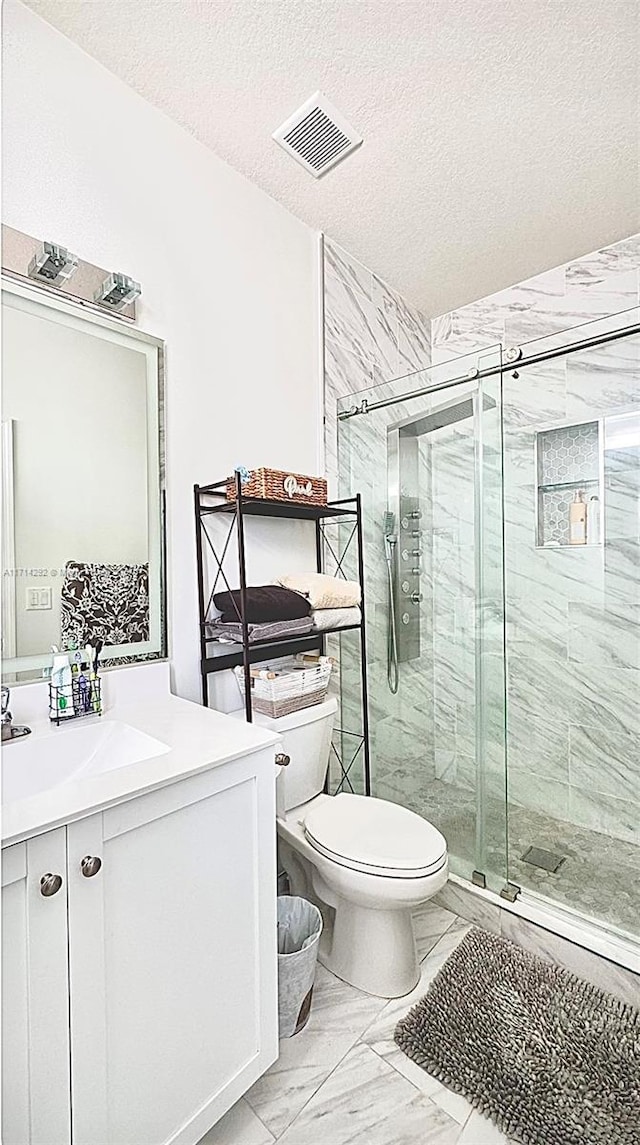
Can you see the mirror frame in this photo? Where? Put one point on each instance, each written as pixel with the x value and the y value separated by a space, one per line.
pixel 45 305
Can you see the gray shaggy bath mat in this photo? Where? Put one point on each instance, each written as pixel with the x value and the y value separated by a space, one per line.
pixel 550 1058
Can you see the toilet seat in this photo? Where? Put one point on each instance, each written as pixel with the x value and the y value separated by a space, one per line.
pixel 375 837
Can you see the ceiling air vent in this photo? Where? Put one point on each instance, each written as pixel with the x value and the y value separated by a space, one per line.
pixel 318 136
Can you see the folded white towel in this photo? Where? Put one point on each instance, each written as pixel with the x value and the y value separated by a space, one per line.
pixel 326 618
pixel 324 591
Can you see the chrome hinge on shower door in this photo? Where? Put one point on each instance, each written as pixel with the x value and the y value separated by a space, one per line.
pixel 510 892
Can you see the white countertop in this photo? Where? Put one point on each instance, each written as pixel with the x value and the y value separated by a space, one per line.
pixel 198 738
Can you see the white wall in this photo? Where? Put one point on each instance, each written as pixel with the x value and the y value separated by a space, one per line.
pixel 229 277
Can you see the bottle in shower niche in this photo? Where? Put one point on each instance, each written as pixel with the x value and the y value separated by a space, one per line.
pixel 593 521
pixel 578 520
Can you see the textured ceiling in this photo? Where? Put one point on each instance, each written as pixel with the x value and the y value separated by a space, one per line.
pixel 500 136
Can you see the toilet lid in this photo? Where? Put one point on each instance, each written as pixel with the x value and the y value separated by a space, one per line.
pixel 375 836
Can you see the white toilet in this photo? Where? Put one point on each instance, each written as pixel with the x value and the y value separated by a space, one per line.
pixel 371 861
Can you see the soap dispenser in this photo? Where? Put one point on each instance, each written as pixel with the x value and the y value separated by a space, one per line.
pixel 593 521
pixel 578 520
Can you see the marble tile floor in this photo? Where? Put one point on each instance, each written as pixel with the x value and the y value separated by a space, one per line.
pixel 599 876
pixel 343 1080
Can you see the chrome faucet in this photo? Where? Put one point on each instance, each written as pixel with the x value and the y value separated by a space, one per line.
pixel 9 731
pixel 6 715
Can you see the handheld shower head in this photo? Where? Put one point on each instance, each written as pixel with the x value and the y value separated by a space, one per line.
pixel 389 526
pixel 390 553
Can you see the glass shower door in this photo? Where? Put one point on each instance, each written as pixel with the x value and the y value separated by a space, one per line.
pixel 572 457
pixel 425 452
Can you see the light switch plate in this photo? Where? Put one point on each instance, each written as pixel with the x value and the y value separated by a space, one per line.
pixel 38 599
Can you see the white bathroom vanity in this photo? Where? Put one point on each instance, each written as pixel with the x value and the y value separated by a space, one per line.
pixel 138 918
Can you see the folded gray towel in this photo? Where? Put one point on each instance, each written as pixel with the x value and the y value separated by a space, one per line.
pixel 258 633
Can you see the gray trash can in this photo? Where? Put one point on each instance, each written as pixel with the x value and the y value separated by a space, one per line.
pixel 299 930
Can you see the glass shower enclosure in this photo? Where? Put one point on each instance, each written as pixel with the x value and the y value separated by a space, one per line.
pixel 501 509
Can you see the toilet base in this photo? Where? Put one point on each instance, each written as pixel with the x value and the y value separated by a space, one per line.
pixel 373 950
pixel 368 938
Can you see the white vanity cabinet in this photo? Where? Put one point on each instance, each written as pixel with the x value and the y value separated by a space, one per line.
pixel 152 970
pixel 35 992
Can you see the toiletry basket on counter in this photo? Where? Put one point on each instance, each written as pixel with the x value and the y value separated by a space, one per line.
pixel 71 701
pixel 287 688
pixel 74 687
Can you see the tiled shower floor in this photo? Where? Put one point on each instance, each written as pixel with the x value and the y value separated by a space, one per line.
pixel 343 1080
pixel 598 878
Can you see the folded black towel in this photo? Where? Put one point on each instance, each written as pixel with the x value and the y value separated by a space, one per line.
pixel 265 604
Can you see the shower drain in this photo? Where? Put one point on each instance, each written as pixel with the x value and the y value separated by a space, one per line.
pixel 547 860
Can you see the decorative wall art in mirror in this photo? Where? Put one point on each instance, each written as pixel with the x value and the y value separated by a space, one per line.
pixel 82 479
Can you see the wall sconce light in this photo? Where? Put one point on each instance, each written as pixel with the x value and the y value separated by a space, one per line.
pixel 52 264
pixel 117 291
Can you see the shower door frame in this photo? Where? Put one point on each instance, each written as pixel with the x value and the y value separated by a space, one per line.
pixel 479 402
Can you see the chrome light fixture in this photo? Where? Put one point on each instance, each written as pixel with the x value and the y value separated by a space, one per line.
pixel 53 264
pixel 117 291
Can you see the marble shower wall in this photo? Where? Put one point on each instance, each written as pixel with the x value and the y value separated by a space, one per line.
pixel 595 286
pixel 573 614
pixel 371 336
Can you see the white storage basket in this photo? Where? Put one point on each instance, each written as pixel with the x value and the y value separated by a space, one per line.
pixel 291 687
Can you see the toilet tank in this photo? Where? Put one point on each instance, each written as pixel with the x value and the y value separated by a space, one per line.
pixel 306 739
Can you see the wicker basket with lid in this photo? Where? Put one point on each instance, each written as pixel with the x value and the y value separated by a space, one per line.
pixel 280 485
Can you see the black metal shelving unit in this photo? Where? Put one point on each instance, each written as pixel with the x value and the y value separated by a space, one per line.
pixel 211 501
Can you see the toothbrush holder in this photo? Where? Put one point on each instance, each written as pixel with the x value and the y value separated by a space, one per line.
pixel 74 701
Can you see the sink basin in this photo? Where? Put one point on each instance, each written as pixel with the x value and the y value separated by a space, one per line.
pixel 40 762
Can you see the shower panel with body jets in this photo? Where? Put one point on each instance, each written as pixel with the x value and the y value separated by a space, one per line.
pixel 408 452
pixel 403 551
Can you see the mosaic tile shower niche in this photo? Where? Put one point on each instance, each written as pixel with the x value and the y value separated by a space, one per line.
pixel 569 463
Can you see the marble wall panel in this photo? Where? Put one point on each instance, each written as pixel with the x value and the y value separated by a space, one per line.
pixel 604 380
pixel 372 337
pixel 605 814
pixel 595 286
pixel 590 747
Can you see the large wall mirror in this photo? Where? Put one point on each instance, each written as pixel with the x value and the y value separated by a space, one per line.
pixel 82 485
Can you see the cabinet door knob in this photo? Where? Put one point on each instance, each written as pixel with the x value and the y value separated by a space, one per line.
pixel 50 885
pixel 90 866
pixel 282 759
